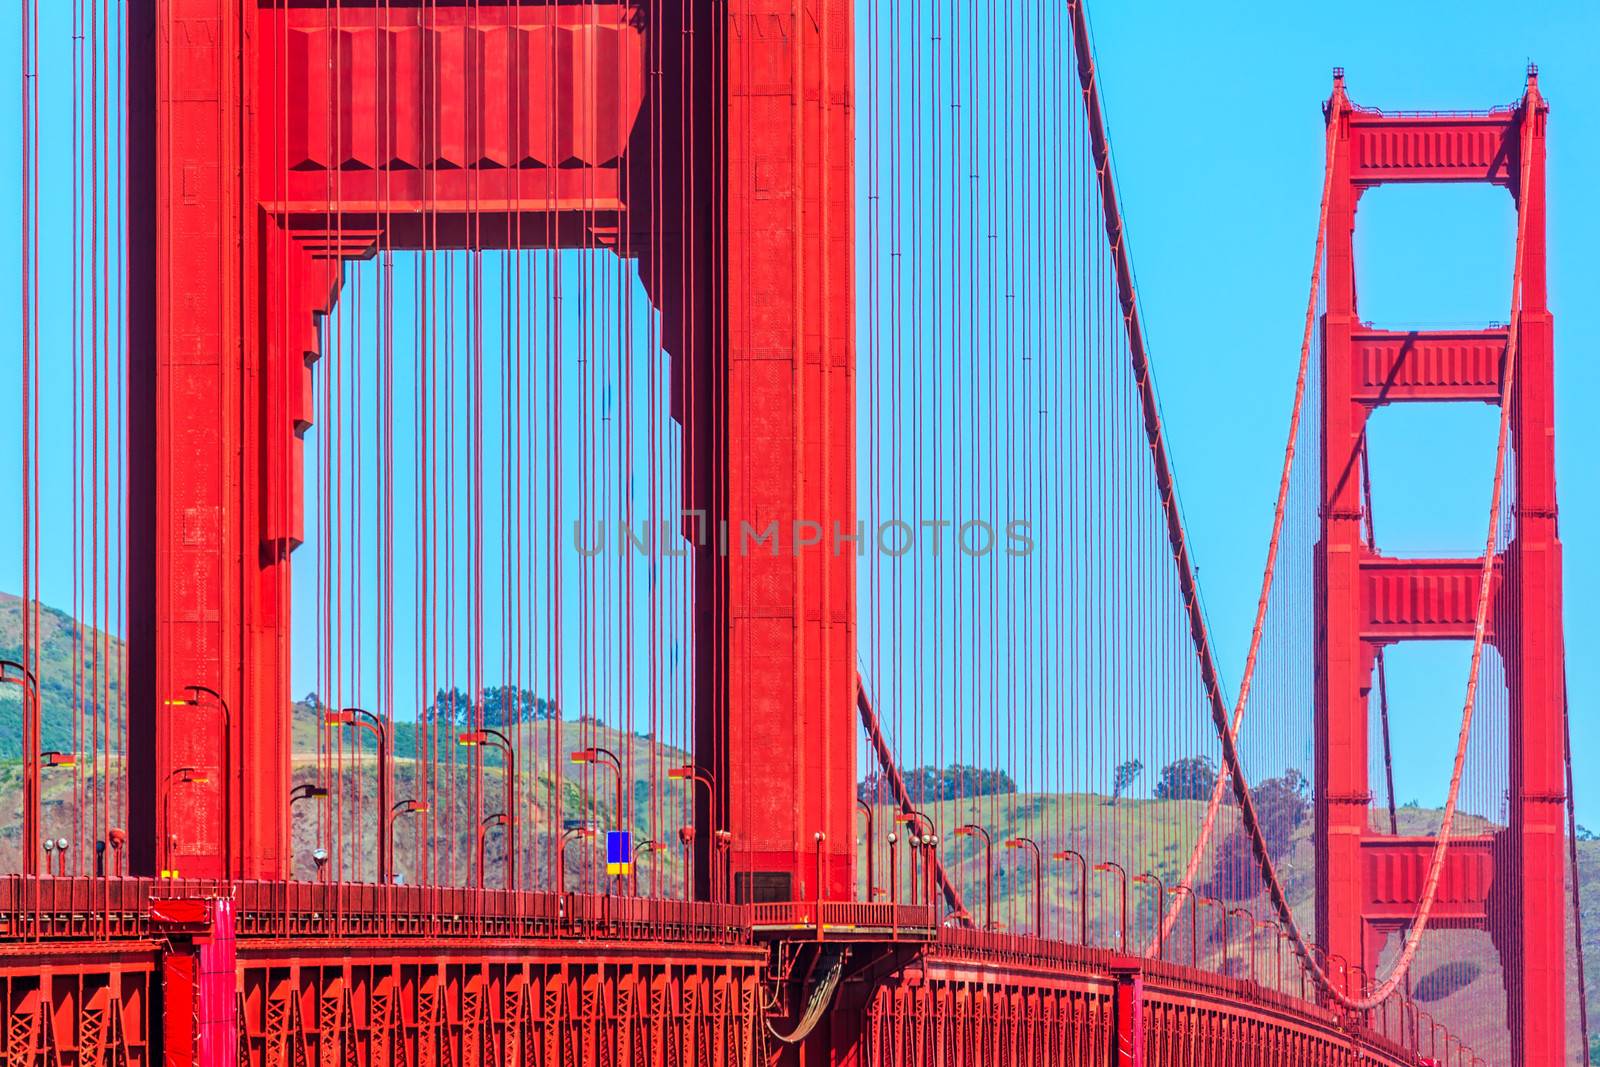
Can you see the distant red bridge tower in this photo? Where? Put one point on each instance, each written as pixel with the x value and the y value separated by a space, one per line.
pixel 1509 883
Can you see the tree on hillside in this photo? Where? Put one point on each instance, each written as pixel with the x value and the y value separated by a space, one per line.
pixel 1281 804
pixel 502 705
pixel 930 784
pixel 1123 777
pixel 1189 778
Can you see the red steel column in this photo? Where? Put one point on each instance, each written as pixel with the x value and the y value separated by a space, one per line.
pixel 790 447
pixel 196 552
pixel 1536 949
pixel 1343 668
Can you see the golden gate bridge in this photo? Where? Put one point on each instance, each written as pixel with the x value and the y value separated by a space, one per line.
pixel 703 461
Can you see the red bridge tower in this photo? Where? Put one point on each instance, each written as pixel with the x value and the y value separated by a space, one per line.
pixel 1370 885
pixel 271 141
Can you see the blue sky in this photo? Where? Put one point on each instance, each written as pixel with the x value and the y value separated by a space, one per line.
pixel 1216 130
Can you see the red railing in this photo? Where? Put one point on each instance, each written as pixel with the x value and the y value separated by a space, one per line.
pixel 1389 1028
pixel 844 917
pixel 60 911
pixel 68 909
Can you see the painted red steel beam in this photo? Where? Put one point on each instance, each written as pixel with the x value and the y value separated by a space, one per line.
pixel 1390 147
pixel 1421 599
pixel 1365 883
pixel 1394 869
pixel 1395 366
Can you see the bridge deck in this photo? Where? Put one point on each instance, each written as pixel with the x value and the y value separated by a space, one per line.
pixel 387 975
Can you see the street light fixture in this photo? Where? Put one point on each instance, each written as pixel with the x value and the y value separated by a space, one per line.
pixel 1194 922
pixel 866 809
pixel 17 674
pixel 408 806
pixel 691 773
pixel 973 829
pixel 1250 917
pixel 484 826
pixel 193 701
pixel 722 846
pixel 179 775
pixel 1083 890
pixel 649 844
pixel 1278 953
pixel 921 830
pixel 486 736
pixel 1161 903
pixel 686 838
pixel 597 755
pixel 1122 874
pixel 1038 880
pixel 1222 914
pixel 363 719
pixel 568 834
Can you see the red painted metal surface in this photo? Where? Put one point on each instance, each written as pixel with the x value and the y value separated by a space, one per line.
pixel 422 125
pixel 1366 884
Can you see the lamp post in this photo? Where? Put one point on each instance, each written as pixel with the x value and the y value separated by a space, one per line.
pixel 494 819
pixel 1122 874
pixel 193 701
pixel 686 836
pixel 568 834
pixel 894 869
pixel 408 806
pixel 866 809
pixel 487 736
pixel 1222 915
pixel 596 754
pixel 721 846
pixel 306 791
pixel 649 844
pixel 1251 919
pixel 821 839
pixel 186 776
pixel 1277 952
pixel 968 830
pixel 363 719
pixel 17 674
pixel 1194 923
pixel 1161 902
pixel 1432 1035
pixel 1083 890
pixel 921 829
pixel 691 773
pixel 1038 880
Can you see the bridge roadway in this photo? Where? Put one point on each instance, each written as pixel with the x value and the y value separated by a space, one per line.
pixel 297 974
